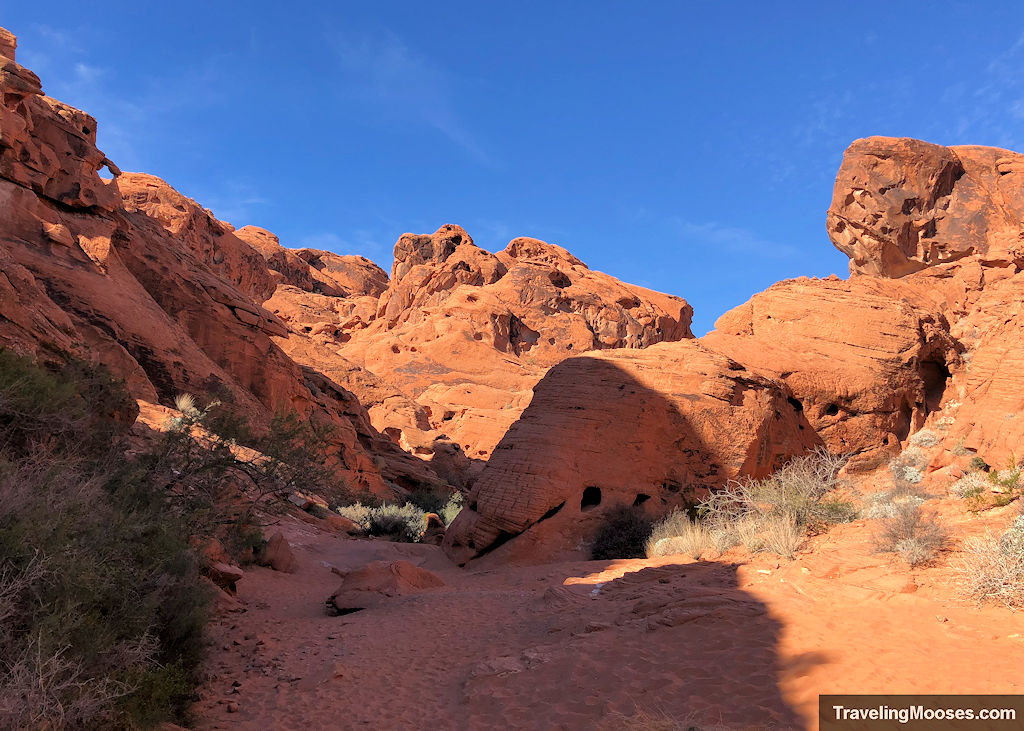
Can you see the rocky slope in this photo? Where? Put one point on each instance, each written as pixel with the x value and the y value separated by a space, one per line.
pixel 128 272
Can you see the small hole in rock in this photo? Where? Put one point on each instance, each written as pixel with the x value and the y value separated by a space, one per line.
pixel 591 498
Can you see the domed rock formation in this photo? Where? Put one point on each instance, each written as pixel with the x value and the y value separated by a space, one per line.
pixel 656 428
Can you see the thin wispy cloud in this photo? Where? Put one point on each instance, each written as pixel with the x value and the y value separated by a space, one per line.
pixel 732 239
pixel 988 109
pixel 238 202
pixel 129 115
pixel 379 68
pixel 362 242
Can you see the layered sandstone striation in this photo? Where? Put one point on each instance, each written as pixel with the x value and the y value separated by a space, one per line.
pixel 654 428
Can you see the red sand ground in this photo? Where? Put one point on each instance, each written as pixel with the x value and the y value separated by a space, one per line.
pixel 738 642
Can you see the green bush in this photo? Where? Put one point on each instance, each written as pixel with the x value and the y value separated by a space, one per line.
pixel 101 604
pixel 623 534
pixel 404 523
pixel 452 508
pixel 219 470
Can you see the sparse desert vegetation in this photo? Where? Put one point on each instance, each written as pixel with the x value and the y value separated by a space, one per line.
pixel 771 514
pixel 991 568
pixel 912 532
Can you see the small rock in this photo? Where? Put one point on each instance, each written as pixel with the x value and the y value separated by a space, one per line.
pixel 233 707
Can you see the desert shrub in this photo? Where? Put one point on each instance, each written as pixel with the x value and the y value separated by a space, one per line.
pixel 101 604
pixel 994 489
pixel 73 408
pixel 906 473
pixel 452 508
pixel 910 532
pixel 803 490
pixel 913 456
pixel 924 438
pixel 403 523
pixel 978 464
pixel 888 504
pixel 991 568
pixel 623 534
pixel 219 470
pixel 1008 479
pixel 970 485
pixel 356 512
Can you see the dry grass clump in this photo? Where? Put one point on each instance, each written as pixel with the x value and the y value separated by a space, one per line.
pixel 924 438
pixel 991 568
pixel 677 534
pixel 910 532
pixel 772 513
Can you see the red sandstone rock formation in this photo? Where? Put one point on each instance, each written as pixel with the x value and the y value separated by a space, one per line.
pixel 901 205
pixel 655 428
pixel 446 358
pixel 133 274
pixel 867 359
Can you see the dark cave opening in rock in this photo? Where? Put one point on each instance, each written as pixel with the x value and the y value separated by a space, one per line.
pixel 935 375
pixel 591 498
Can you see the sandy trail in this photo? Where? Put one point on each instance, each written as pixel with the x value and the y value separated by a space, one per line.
pixel 565 646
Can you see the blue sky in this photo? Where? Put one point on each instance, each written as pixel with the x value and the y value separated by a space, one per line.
pixel 686 147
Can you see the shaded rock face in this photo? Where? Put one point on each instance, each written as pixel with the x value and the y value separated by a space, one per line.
pixel 901 205
pixel 655 428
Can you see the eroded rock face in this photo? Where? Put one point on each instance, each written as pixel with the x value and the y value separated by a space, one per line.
pixel 867 359
pixel 131 273
pixel 900 205
pixel 656 428
pixel 467 333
